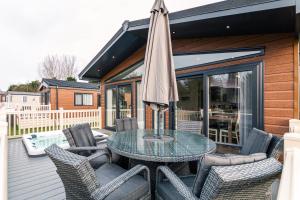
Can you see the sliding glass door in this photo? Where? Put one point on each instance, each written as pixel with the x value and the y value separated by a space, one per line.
pixel 140 106
pixel 118 104
pixel 111 107
pixel 223 104
pixel 124 102
pixel 189 108
pixel 230 106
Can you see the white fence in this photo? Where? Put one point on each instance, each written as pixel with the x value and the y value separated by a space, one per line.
pixel 25 107
pixel 188 115
pixel 25 122
pixel 3 160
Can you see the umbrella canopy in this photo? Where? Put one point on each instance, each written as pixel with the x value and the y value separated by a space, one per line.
pixel 159 80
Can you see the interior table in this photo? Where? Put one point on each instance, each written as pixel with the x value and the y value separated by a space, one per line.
pixel 174 150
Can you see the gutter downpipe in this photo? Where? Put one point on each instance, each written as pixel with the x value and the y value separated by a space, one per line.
pixel 56 97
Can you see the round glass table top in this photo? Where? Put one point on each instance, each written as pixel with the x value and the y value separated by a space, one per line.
pixel 180 146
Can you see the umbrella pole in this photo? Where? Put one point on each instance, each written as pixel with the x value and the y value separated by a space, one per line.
pixel 158 123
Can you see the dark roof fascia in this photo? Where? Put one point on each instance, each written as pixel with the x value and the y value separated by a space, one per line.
pixel 73 88
pixel 49 84
pixel 110 43
pixel 144 23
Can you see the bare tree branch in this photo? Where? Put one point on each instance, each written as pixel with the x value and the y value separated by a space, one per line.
pixel 59 67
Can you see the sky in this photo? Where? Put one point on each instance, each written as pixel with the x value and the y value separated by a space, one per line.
pixel 32 29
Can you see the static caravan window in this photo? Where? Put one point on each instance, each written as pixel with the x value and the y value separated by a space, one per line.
pixel 24 99
pixel 83 99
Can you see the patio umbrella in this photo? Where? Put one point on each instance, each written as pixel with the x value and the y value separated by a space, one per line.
pixel 159 80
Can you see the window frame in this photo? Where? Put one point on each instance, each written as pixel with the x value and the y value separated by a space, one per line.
pixel 24 99
pixel 257 69
pixel 117 86
pixel 243 49
pixel 81 94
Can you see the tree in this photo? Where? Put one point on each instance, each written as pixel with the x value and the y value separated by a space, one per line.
pixel 70 78
pixel 58 67
pixel 25 87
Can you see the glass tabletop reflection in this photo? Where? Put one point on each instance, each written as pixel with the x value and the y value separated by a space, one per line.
pixel 183 146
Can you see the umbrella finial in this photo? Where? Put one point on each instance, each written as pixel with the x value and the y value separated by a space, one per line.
pixel 159 5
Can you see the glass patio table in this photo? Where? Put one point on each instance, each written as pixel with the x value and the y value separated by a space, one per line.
pixel 179 146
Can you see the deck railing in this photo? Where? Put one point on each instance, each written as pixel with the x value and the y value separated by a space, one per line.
pixel 3 160
pixel 24 107
pixel 188 115
pixel 26 122
pixel 290 182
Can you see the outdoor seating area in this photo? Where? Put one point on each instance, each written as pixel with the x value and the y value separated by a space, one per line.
pixel 197 104
pixel 155 167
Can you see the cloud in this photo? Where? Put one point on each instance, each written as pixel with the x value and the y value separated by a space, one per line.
pixel 33 29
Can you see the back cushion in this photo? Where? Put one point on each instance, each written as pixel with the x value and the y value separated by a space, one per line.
pixel 257 142
pixel 89 133
pixel 119 125
pixel 127 124
pixel 209 160
pixel 83 138
pixel 134 124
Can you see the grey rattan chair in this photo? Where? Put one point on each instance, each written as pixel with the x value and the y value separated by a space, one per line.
pixel 262 142
pixel 126 124
pixel 109 182
pixel 83 142
pixel 247 181
pixel 275 149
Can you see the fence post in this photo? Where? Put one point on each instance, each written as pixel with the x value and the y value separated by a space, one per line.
pixel 290 183
pixel 99 118
pixel 3 160
pixel 3 116
pixel 61 118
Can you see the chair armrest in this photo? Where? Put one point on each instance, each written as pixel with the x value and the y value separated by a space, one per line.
pixel 104 191
pixel 101 142
pixel 87 148
pixel 100 138
pixel 238 181
pixel 100 153
pixel 183 190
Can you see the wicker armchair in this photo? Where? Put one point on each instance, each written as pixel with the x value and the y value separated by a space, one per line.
pixel 262 142
pixel 275 148
pixel 83 142
pixel 246 181
pixel 110 181
pixel 126 124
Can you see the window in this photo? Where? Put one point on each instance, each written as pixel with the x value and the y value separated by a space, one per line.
pixel 83 99
pixel 24 99
pixel 99 100
pixel 224 104
pixel 118 104
pixel 192 59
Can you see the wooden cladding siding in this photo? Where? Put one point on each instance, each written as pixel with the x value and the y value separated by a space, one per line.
pixel 281 63
pixel 66 98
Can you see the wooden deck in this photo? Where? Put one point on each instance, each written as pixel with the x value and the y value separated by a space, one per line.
pixel 31 178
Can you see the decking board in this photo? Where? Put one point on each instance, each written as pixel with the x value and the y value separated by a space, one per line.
pixel 31 178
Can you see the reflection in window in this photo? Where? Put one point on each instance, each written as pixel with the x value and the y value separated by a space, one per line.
pixel 188 60
pixel 230 106
pixel 189 108
pixel 134 71
pixel 111 107
pixel 125 104
pixel 182 61
pixel 140 106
